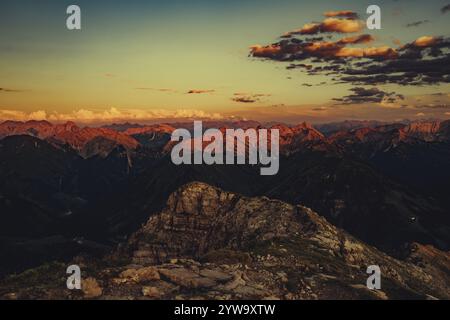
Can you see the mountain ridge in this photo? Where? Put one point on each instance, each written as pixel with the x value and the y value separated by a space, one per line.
pixel 210 244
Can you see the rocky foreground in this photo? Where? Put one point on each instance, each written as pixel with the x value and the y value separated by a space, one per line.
pixel 212 244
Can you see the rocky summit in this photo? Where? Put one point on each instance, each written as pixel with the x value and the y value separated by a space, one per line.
pixel 207 243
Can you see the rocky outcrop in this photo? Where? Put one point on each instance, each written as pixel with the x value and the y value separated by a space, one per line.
pixel 201 221
pixel 212 244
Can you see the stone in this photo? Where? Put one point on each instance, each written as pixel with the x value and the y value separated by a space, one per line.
pixel 10 296
pixel 91 288
pixel 151 292
pixel 140 275
pixel 237 281
pixel 216 275
pixel 187 278
pixel 248 292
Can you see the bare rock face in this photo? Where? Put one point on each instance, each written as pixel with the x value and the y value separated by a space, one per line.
pixel 211 244
pixel 200 218
pixel 205 223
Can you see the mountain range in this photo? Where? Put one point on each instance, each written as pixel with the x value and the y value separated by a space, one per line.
pixel 68 190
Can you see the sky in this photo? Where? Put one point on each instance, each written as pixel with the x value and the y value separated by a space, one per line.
pixel 149 60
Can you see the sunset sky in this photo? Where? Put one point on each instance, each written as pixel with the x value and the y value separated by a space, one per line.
pixel 151 60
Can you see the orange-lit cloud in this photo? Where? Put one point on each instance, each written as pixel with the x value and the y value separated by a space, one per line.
pixel 426 41
pixel 397 42
pixel 328 49
pixel 341 13
pixel 113 114
pixel 410 64
pixel 331 25
pixel 265 51
pixel 364 38
pixel 382 52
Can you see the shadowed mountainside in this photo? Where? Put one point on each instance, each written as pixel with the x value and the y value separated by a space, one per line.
pixel 207 243
pixel 383 184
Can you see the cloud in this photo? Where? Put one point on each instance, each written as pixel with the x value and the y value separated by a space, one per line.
pixel 294 49
pixel 329 25
pixel 445 9
pixel 397 42
pixel 416 23
pixel 363 38
pixel 371 52
pixel 425 61
pixel 199 91
pixel 112 114
pixel 426 41
pixel 270 51
pixel 158 89
pixel 370 95
pixel 10 90
pixel 305 84
pixel 299 65
pixel 341 13
pixel 352 60
pixel 22 116
pixel 243 97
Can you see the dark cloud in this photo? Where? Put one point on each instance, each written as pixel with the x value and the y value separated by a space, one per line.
pixel 158 89
pixel 312 85
pixel 341 14
pixel 248 97
pixel 445 9
pixel 299 65
pixel 297 49
pixel 416 23
pixel 425 61
pixel 10 90
pixel 199 91
pixel 370 95
pixel 244 100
